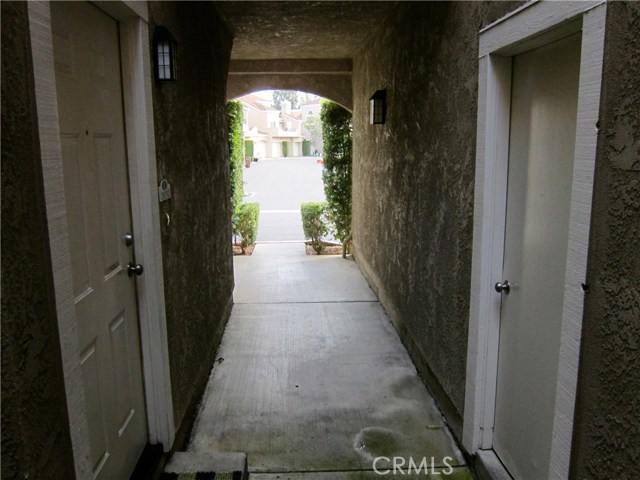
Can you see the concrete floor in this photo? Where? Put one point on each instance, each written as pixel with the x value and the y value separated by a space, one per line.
pixel 312 381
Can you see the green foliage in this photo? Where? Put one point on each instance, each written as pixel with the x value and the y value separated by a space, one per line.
pixel 306 148
pixel 314 223
pixel 279 96
pixel 236 154
pixel 337 146
pixel 247 224
pixel 248 148
pixel 285 149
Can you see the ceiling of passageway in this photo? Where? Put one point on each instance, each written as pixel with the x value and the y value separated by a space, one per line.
pixel 272 30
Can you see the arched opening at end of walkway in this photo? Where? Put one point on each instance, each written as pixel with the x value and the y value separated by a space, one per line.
pixel 279 166
pixel 327 78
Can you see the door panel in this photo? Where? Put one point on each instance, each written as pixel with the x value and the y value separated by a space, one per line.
pixel 542 137
pixel 88 83
pixel 75 214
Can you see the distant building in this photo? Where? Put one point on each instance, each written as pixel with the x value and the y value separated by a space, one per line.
pixel 269 129
pixel 311 108
pixel 311 126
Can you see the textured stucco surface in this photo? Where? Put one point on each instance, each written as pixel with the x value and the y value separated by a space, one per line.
pixel 607 423
pixel 414 177
pixel 192 151
pixel 35 430
pixel 301 29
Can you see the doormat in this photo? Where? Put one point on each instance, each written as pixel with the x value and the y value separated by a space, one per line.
pixel 237 475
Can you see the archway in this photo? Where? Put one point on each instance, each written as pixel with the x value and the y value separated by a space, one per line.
pixel 330 79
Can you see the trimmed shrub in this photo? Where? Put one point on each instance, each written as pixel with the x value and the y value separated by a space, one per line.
pixel 247 224
pixel 337 146
pixel 248 148
pixel 285 149
pixel 314 223
pixel 306 148
pixel 236 155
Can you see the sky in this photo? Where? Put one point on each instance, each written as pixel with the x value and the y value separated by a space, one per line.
pixel 266 94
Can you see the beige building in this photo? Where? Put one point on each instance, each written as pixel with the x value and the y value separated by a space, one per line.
pixel 310 112
pixel 269 129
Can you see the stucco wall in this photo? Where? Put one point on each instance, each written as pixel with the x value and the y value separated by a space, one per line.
pixel 35 431
pixel 607 433
pixel 414 177
pixel 192 151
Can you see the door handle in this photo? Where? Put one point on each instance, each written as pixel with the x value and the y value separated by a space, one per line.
pixel 134 270
pixel 503 287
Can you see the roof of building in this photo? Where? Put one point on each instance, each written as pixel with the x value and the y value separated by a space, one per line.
pixel 256 102
pixel 296 115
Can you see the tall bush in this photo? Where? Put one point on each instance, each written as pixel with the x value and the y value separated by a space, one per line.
pixel 314 223
pixel 337 146
pixel 248 148
pixel 285 149
pixel 306 148
pixel 236 155
pixel 247 224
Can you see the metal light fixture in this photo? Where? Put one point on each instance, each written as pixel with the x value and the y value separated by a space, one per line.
pixel 165 53
pixel 378 107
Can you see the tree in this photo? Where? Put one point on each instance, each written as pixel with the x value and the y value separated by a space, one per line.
pixel 236 153
pixel 280 96
pixel 336 133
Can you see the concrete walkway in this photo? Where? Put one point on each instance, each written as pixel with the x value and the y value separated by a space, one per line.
pixel 312 381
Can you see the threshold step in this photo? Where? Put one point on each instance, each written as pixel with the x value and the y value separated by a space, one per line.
pixel 225 465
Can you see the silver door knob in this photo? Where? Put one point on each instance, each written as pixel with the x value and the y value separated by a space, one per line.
pixel 134 270
pixel 503 287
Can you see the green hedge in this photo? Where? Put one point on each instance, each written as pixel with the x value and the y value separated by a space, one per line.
pixel 306 148
pixel 285 149
pixel 236 154
pixel 337 146
pixel 248 148
pixel 314 223
pixel 247 224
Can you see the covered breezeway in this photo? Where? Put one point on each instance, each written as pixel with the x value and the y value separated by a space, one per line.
pixel 314 385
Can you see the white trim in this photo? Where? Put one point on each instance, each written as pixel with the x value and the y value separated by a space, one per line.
pixel 492 159
pixel 529 22
pixel 576 271
pixel 143 180
pixel 489 466
pixel 51 155
pixel 531 26
pixel 138 113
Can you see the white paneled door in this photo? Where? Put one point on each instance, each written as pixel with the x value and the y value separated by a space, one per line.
pixel 541 151
pixel 88 83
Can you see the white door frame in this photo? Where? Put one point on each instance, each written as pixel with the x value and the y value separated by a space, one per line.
pixel 532 25
pixel 140 142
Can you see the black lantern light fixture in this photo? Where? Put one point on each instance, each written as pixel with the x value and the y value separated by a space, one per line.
pixel 378 107
pixel 165 53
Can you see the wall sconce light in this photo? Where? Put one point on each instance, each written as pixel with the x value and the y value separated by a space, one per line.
pixel 378 107
pixel 165 49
